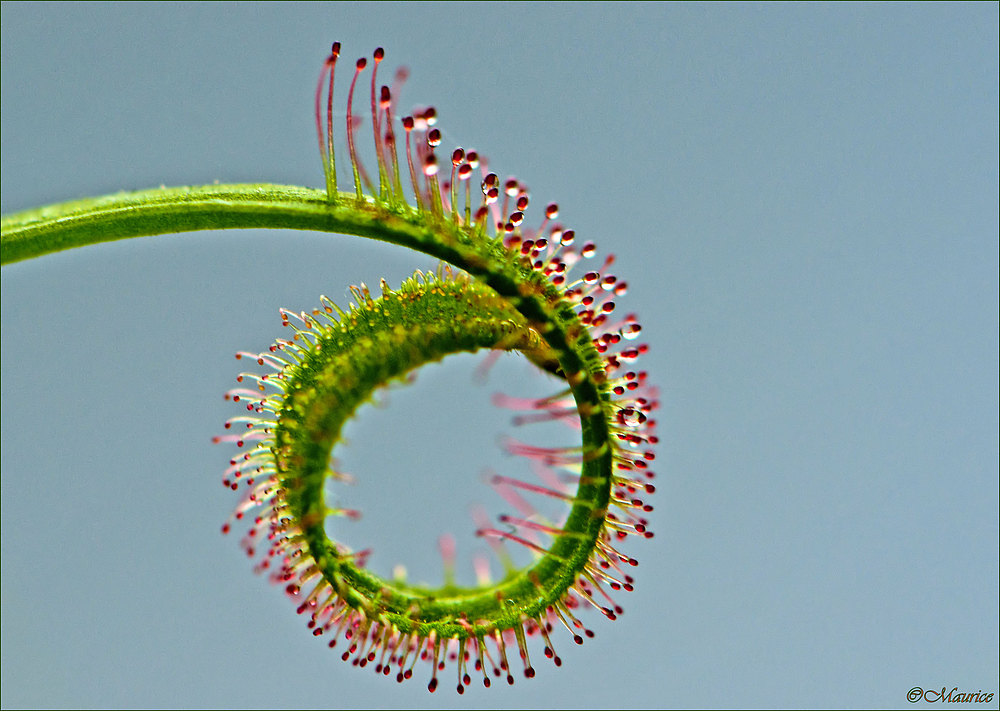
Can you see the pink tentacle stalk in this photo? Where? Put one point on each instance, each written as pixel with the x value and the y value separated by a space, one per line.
pixel 358 68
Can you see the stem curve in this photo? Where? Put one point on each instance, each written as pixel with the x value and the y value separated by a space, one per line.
pixel 521 299
pixel 159 211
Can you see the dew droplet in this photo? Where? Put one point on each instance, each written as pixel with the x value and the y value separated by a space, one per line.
pixel 631 417
pixel 631 331
pixel 430 164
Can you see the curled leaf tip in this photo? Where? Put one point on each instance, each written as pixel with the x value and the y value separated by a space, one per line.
pixel 514 284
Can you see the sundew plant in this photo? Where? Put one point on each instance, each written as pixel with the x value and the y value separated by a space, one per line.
pixel 513 277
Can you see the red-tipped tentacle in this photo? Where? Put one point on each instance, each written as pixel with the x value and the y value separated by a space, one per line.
pixel 383 175
pixel 358 67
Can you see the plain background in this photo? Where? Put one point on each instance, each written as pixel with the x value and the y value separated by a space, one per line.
pixel 803 199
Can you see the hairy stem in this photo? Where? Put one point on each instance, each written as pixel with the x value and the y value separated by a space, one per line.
pixel 211 207
pixel 167 210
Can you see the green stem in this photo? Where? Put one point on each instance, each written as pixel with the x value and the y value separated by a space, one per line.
pixel 166 210
pixel 211 207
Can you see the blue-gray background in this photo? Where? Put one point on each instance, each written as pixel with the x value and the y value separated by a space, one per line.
pixel 804 200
